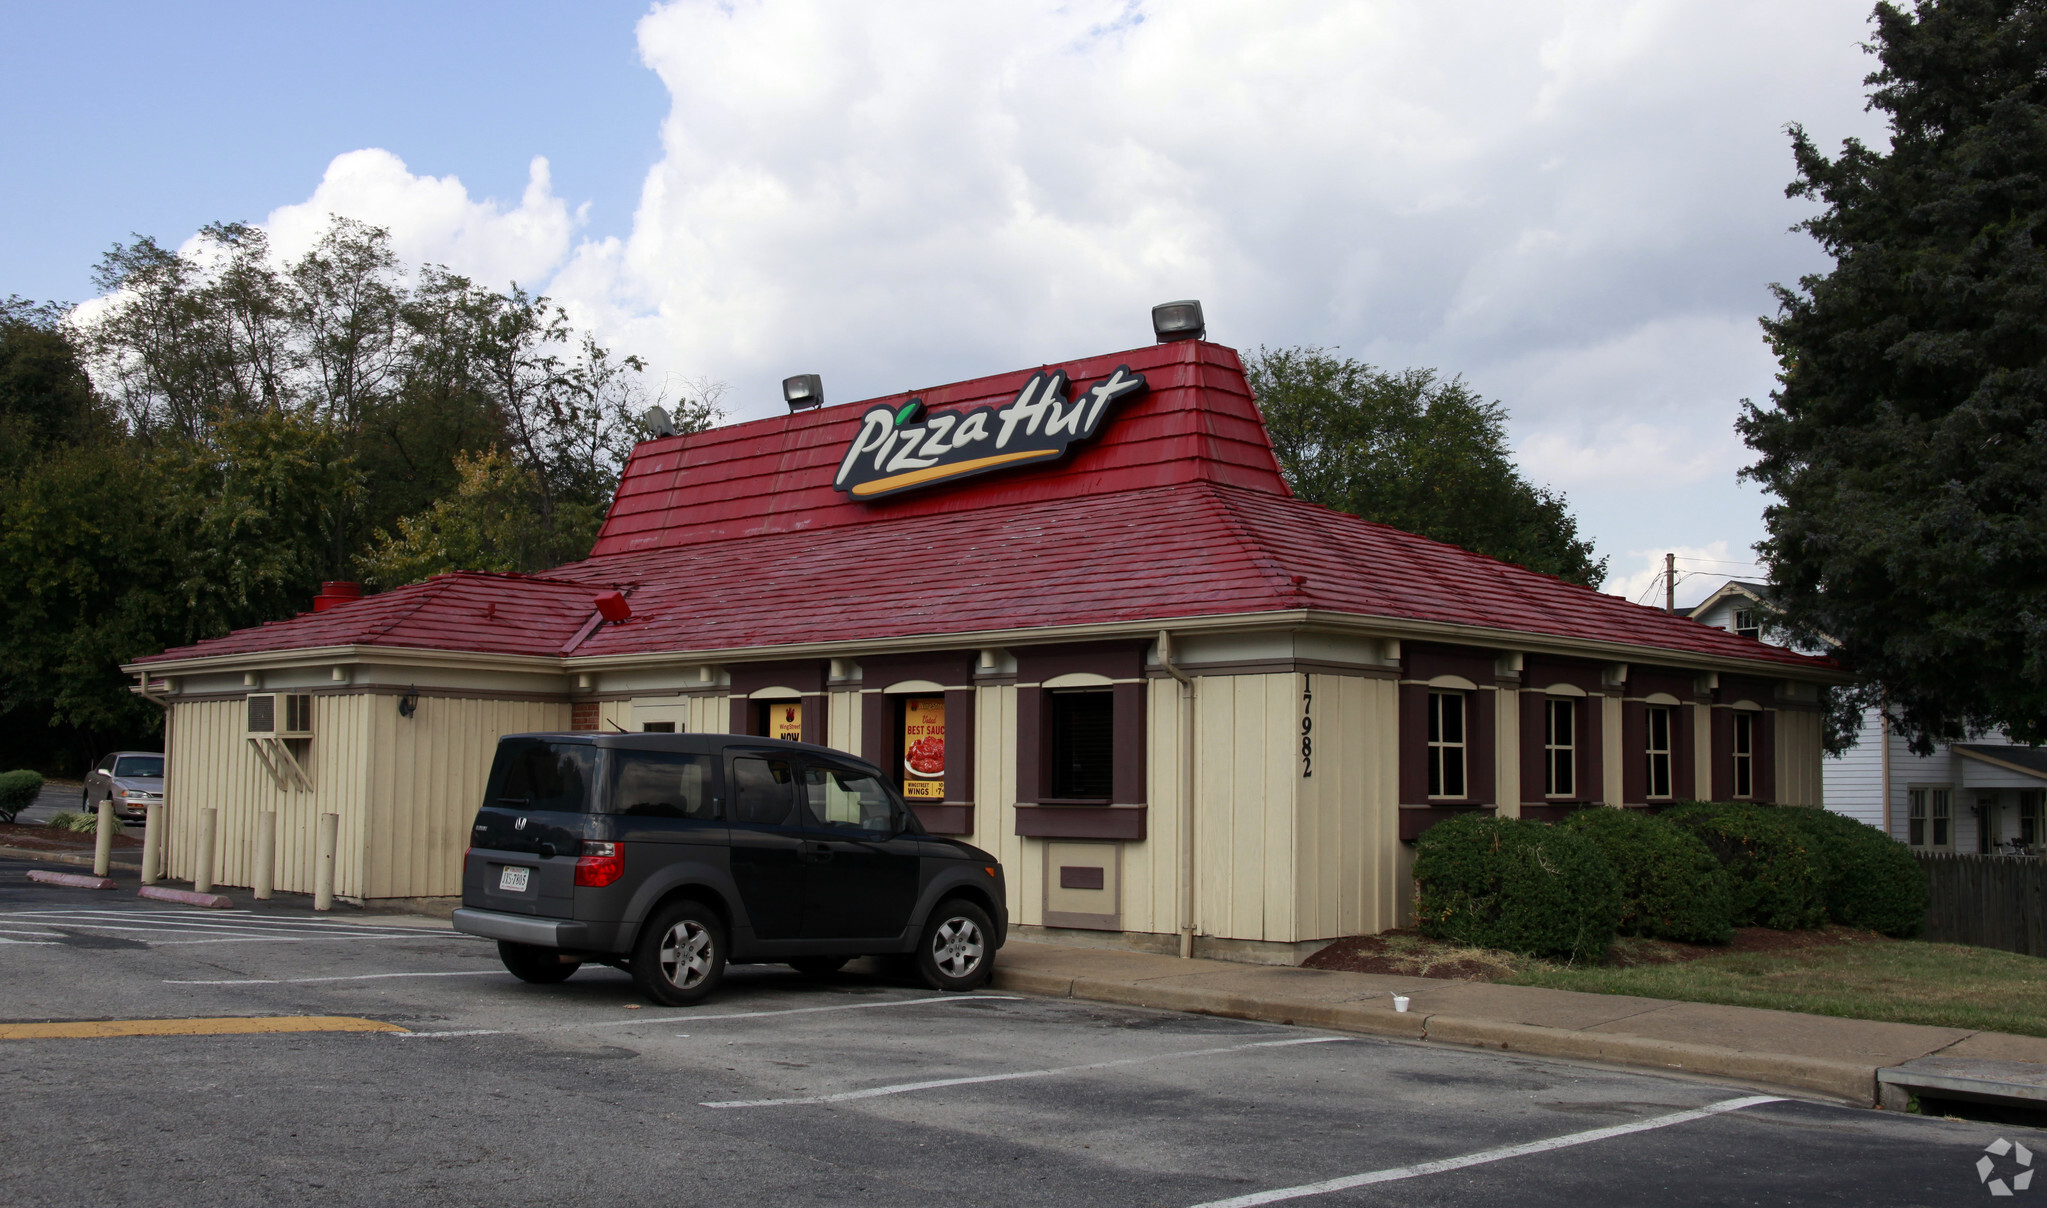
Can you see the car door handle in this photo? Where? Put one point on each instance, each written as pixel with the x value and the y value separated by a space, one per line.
pixel 814 853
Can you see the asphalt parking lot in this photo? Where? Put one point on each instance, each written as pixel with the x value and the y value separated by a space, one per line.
pixel 781 1090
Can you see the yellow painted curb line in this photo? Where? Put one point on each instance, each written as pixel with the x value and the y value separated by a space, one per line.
pixel 232 1026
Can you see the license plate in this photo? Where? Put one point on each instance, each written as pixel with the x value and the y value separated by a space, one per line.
pixel 514 879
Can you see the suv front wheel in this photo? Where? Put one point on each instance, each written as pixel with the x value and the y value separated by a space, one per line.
pixel 958 948
pixel 680 955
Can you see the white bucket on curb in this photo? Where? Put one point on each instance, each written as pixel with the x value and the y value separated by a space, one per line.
pixel 1400 1002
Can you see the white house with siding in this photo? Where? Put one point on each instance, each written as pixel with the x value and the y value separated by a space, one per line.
pixel 1984 795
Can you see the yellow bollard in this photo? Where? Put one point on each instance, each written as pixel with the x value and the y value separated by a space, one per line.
pixel 266 854
pixel 202 870
pixel 152 843
pixel 323 873
pixel 103 839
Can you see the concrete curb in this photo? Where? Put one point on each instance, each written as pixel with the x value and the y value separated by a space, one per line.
pixel 60 857
pixel 72 880
pixel 1373 1015
pixel 158 893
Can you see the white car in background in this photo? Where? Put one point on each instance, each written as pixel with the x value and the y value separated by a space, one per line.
pixel 134 779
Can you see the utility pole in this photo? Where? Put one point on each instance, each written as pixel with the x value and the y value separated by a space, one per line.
pixel 1670 583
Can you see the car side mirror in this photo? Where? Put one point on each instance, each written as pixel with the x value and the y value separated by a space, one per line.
pixel 103 772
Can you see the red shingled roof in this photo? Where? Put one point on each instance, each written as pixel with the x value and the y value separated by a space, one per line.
pixel 734 538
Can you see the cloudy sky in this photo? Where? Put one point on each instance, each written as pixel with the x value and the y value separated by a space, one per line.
pixel 1577 206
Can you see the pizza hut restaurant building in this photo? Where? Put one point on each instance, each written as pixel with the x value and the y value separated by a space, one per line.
pixel 1073 609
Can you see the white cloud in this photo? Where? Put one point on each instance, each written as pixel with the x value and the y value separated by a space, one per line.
pixel 433 219
pixel 1577 206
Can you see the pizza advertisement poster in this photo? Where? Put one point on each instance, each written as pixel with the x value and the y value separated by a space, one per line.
pixel 924 748
pixel 785 720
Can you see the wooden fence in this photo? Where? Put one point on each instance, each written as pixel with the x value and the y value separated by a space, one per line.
pixel 1987 901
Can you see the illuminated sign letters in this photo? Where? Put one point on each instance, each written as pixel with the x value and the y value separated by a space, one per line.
pixel 902 449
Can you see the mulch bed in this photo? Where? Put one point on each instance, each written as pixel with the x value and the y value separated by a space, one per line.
pixel 1407 953
pixel 43 838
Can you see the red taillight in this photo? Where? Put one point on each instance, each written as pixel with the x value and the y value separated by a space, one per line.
pixel 600 864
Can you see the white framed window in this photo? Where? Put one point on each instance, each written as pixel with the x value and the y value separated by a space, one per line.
pixel 1745 623
pixel 1559 747
pixel 1446 744
pixel 1929 821
pixel 1657 734
pixel 1744 754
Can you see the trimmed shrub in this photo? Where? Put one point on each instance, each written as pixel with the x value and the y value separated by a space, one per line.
pixel 75 820
pixel 1520 886
pixel 1671 886
pixel 1778 881
pixel 18 791
pixel 1870 881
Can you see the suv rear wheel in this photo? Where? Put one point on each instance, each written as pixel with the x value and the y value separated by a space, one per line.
pixel 541 966
pixel 680 955
pixel 958 948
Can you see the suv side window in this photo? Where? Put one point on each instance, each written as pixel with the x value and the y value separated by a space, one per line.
pixel 847 800
pixel 761 790
pixel 661 784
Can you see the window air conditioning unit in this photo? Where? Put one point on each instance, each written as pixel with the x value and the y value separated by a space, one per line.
pixel 280 715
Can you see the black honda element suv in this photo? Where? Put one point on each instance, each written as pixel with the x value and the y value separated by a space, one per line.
pixel 670 854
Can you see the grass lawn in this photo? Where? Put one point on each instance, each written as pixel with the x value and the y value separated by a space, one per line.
pixel 1902 981
pixel 1832 971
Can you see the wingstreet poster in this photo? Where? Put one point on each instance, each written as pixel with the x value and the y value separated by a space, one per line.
pixel 924 748
pixel 785 720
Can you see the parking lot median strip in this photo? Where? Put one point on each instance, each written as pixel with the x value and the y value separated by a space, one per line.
pixel 91 1029
pixel 1483 1156
pixel 903 1088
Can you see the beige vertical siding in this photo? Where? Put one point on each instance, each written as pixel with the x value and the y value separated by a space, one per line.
pixel 1247 762
pixel 426 779
pixel 1610 752
pixel 1702 753
pixel 842 722
pixel 1798 758
pixel 1151 868
pixel 1346 882
pixel 405 790
pixel 1507 753
pixel 995 803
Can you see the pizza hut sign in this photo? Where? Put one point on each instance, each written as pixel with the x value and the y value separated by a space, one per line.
pixel 902 449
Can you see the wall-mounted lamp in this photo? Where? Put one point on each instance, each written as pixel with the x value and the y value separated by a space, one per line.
pixel 1182 320
pixel 803 392
pixel 409 703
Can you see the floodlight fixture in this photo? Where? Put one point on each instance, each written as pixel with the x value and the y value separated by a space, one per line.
pixel 1177 321
pixel 803 392
pixel 658 422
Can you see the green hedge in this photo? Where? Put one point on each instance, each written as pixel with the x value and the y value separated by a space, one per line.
pixel 1671 886
pixel 1779 881
pixel 1868 880
pixel 18 791
pixel 1515 885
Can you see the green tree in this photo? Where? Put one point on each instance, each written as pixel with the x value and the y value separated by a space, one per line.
pixel 1416 452
pixel 46 398
pixel 1906 443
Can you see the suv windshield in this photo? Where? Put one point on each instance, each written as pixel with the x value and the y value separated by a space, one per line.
pixel 139 765
pixel 532 774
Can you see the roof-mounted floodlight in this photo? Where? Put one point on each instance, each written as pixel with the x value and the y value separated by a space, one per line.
pixel 658 422
pixel 1177 321
pixel 804 391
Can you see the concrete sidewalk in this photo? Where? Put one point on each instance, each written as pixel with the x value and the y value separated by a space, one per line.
pixel 1836 1057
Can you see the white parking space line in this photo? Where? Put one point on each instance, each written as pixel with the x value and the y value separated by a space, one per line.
pixel 236 927
pixel 301 981
pixel 34 943
pixel 673 1019
pixel 903 1088
pixel 1397 1173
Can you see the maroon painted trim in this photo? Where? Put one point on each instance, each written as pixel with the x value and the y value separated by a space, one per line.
pixel 1414 742
pixel 1127 774
pixel 1417 819
pixel 1635 753
pixel 875 721
pixel 804 675
pixel 1723 754
pixel 947 819
pixel 1081 821
pixel 959 750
